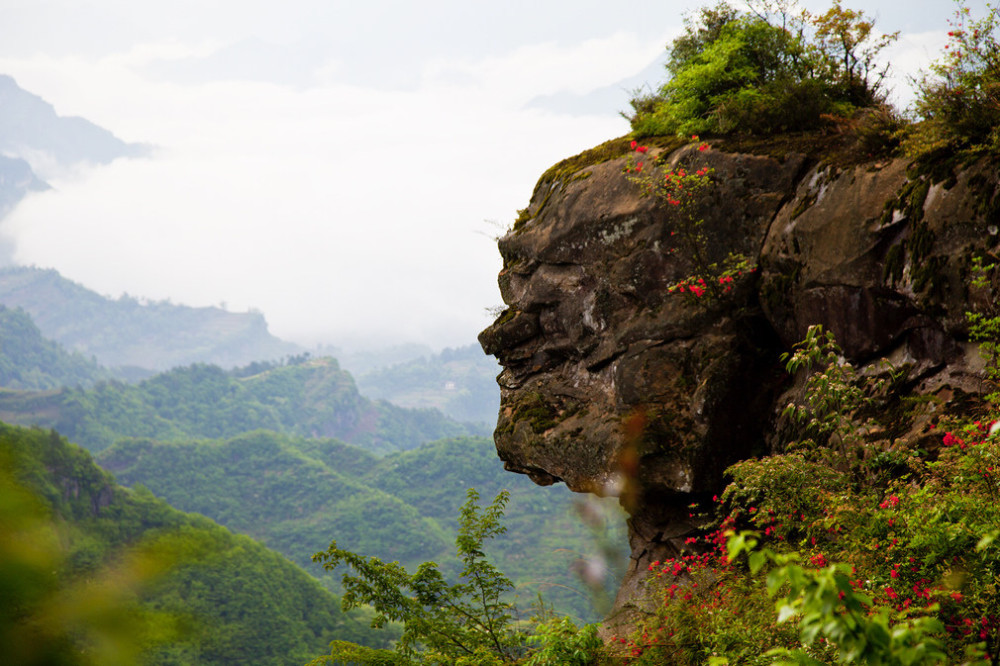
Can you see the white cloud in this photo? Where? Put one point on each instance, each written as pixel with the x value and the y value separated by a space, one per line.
pixel 341 212
pixel 540 69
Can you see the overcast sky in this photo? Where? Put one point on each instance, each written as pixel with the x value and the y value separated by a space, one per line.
pixel 340 166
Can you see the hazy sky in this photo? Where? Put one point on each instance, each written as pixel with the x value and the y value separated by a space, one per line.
pixel 340 166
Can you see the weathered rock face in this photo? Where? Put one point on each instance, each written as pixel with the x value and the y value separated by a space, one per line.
pixel 614 384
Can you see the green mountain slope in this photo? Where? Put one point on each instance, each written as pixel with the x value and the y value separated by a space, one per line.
pixel 29 361
pixel 248 604
pixel 306 397
pixel 297 494
pixel 264 485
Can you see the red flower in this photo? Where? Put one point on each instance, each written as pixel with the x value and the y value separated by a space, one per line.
pixel 642 149
pixel 633 145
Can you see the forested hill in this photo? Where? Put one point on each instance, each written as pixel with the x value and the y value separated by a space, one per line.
pixel 296 495
pixel 134 337
pixel 29 361
pixel 86 550
pixel 305 397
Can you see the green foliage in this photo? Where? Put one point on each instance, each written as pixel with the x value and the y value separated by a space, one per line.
pixel 831 423
pixel 49 617
pixel 345 652
pixel 29 361
pixel 264 485
pixel 959 99
pixel 884 569
pixel 313 398
pixel 984 326
pixel 446 621
pixel 83 572
pixel 763 72
pixel 829 609
pixel 560 643
pixel 293 493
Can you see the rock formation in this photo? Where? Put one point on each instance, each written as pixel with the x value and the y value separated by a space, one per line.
pixel 616 384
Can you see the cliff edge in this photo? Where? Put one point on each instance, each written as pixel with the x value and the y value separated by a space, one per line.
pixel 617 383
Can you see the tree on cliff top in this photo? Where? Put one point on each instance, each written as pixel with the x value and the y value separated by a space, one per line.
pixel 766 70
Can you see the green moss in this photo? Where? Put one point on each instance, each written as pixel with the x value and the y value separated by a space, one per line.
pixel 537 412
pixel 894 261
pixel 777 290
pixel 930 273
pixel 921 242
pixel 804 204
pixel 909 201
pixel 573 168
pixel 986 195
pixel 913 196
pixel 606 151
pixel 523 216
pixel 941 165
pixel 505 316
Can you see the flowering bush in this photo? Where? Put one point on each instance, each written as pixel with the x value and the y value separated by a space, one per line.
pixel 842 567
pixel 683 193
pixel 959 99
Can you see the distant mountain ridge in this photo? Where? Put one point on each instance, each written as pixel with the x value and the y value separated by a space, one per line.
pixel 32 134
pixel 125 333
pixel 30 125
pixel 306 397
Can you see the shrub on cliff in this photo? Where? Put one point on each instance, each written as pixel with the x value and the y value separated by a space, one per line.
pixel 959 99
pixel 864 551
pixel 763 72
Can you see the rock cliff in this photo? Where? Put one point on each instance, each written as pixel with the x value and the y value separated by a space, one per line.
pixel 615 383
